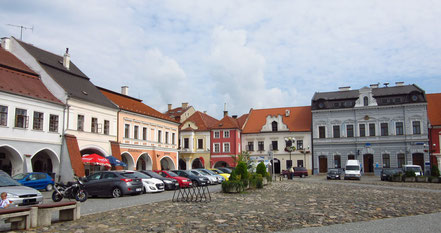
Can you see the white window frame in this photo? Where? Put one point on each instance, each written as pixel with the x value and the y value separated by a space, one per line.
pixel 223 147
pixel 318 131
pixel 226 133
pixel 214 148
pixel 216 132
pixel 366 131
pixel 395 133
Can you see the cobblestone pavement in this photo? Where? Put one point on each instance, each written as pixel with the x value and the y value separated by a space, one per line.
pixel 280 206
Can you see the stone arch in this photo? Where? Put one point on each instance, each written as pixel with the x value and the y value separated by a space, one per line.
pixel 167 163
pixel 50 162
pixel 144 162
pixel 90 149
pixel 127 158
pixel 197 163
pixel 10 160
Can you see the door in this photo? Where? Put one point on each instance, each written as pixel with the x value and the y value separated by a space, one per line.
pixel 418 159
pixel 92 183
pixel 277 166
pixel 323 164
pixel 368 161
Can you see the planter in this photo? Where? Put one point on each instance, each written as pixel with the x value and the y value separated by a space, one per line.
pixel 396 179
pixel 421 179
pixel 233 189
pixel 265 181
pixel 434 180
pixel 408 179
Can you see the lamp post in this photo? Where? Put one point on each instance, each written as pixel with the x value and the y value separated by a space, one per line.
pixel 289 147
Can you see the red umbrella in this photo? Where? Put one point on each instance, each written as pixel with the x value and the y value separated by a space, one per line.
pixel 94 159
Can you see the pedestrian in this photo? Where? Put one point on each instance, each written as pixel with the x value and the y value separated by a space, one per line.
pixel 291 173
pixel 4 202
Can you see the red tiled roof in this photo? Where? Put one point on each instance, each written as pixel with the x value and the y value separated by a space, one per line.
pixel 203 121
pixel 434 108
pixel 176 112
pixel 17 78
pixel 133 105
pixel 228 123
pixel 242 120
pixel 299 119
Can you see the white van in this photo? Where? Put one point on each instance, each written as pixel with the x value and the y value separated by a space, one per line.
pixel 353 170
pixel 414 168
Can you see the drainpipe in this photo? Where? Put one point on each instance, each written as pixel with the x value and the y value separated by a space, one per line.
pixel 63 133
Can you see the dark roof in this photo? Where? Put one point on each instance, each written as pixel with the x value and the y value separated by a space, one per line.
pixel 396 90
pixel 336 95
pixel 72 80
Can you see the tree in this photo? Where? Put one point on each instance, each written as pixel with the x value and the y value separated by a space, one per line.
pixel 244 156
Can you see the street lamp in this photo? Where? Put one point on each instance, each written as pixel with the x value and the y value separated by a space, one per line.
pixel 289 147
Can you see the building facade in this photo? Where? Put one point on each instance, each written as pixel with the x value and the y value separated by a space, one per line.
pixel 381 127
pixel 434 114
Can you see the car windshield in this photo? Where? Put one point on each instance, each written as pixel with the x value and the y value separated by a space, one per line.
pixel 333 171
pixel 19 176
pixel 299 169
pixel 413 169
pixel 217 171
pixel 7 181
pixel 153 174
pixel 352 168
pixel 226 170
pixel 142 175
pixel 207 172
pixel 172 174
pixel 129 175
pixel 196 173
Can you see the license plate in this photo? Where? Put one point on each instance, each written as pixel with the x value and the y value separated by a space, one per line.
pixel 138 189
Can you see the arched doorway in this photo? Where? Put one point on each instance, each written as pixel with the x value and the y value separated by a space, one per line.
pixel 182 164
pixel 197 163
pixel 167 164
pixel 10 161
pixel 42 162
pixel 221 164
pixel 368 163
pixel 276 165
pixel 144 162
pixel 418 159
pixel 323 164
pixel 128 159
pixel 90 168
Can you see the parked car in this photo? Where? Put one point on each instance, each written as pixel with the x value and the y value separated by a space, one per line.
pixel 17 193
pixel 387 173
pixel 352 169
pixel 211 179
pixel 151 185
pixel 335 174
pixel 183 181
pixel 197 180
pixel 219 178
pixel 36 180
pixel 225 169
pixel 300 171
pixel 169 183
pixel 222 173
pixel 414 168
pixel 113 183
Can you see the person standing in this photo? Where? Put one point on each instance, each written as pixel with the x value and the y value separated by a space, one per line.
pixel 291 173
pixel 4 202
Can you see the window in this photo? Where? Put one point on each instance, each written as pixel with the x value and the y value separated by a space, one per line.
pixel 94 126
pixel 351 156
pixel 400 160
pixel 365 101
pixel 135 132
pixel 386 161
pixel 322 132
pixel 226 147
pixel 299 163
pixel 250 146
pixel 299 144
pixel 337 161
pixel 350 131
pixel 274 145
pixel 336 131
pixel 216 147
pixel 372 129
pixel 261 145
pixel 362 130
pixel 127 131
pixel 384 129
pixel 38 121
pixel 173 138
pixel 216 134
pixel 3 115
pixel 144 133
pixel 226 134
pixel 80 123
pixel 399 128
pixel 200 143
pixel 416 127
pixel 274 126
pixel 53 123
pixel 288 163
pixel 186 143
pixel 21 119
pixel 159 135
pixel 106 127
pixel 166 137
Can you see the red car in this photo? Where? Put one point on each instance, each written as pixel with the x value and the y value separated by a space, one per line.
pixel 298 171
pixel 183 181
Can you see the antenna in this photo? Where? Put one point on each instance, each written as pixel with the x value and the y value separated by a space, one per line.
pixel 21 29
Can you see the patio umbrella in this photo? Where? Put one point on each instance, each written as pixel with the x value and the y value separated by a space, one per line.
pixel 94 159
pixel 115 162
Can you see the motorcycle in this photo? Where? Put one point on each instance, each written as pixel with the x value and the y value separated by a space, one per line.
pixel 71 190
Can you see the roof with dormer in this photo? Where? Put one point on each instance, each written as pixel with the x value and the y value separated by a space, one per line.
pixel 299 119
pixel 434 108
pixel 203 122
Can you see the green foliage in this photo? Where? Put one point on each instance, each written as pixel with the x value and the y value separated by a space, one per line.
pixel 434 170
pixel 261 169
pixel 233 175
pixel 232 186
pixel 409 174
pixel 244 156
pixel 268 177
pixel 259 184
pixel 242 170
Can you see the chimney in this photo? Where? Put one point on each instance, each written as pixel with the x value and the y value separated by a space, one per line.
pixel 225 110
pixel 125 90
pixel 6 43
pixel 184 105
pixel 205 112
pixel 169 106
pixel 374 85
pixel 399 84
pixel 287 112
pixel 347 88
pixel 234 116
pixel 66 59
pixel 386 84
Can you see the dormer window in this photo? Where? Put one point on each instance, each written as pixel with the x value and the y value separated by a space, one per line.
pixel 365 101
pixel 274 126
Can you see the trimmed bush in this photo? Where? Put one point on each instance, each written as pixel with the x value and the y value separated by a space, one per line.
pixel 242 171
pixel 261 169
pixel 409 174
pixel 434 170
pixel 233 175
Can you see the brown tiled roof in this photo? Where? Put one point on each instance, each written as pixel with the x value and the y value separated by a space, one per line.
pixel 242 120
pixel 434 108
pixel 203 121
pixel 176 111
pixel 133 105
pixel 227 123
pixel 17 78
pixel 299 119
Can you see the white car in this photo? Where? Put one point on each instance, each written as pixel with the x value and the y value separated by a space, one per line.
pixel 17 193
pixel 151 185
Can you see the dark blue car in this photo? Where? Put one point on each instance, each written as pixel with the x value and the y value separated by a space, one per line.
pixel 36 180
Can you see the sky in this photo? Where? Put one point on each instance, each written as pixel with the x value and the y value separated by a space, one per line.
pixel 247 54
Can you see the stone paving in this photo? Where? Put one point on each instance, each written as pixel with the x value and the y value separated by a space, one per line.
pixel 280 206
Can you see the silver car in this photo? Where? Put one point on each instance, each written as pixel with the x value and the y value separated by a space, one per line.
pixel 219 178
pixel 19 195
pixel 211 179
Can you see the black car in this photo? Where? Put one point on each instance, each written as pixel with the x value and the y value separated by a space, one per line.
pixel 113 183
pixel 335 174
pixel 170 184
pixel 197 180
pixel 225 169
pixel 387 173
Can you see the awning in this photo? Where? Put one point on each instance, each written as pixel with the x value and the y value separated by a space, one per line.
pixel 94 159
pixel 115 162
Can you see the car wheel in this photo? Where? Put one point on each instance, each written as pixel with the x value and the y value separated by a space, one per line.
pixel 49 187
pixel 302 176
pixel 116 192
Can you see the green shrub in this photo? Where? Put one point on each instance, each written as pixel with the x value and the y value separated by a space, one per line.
pixel 269 178
pixel 434 170
pixel 242 171
pixel 228 186
pixel 233 175
pixel 409 174
pixel 261 169
pixel 259 183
